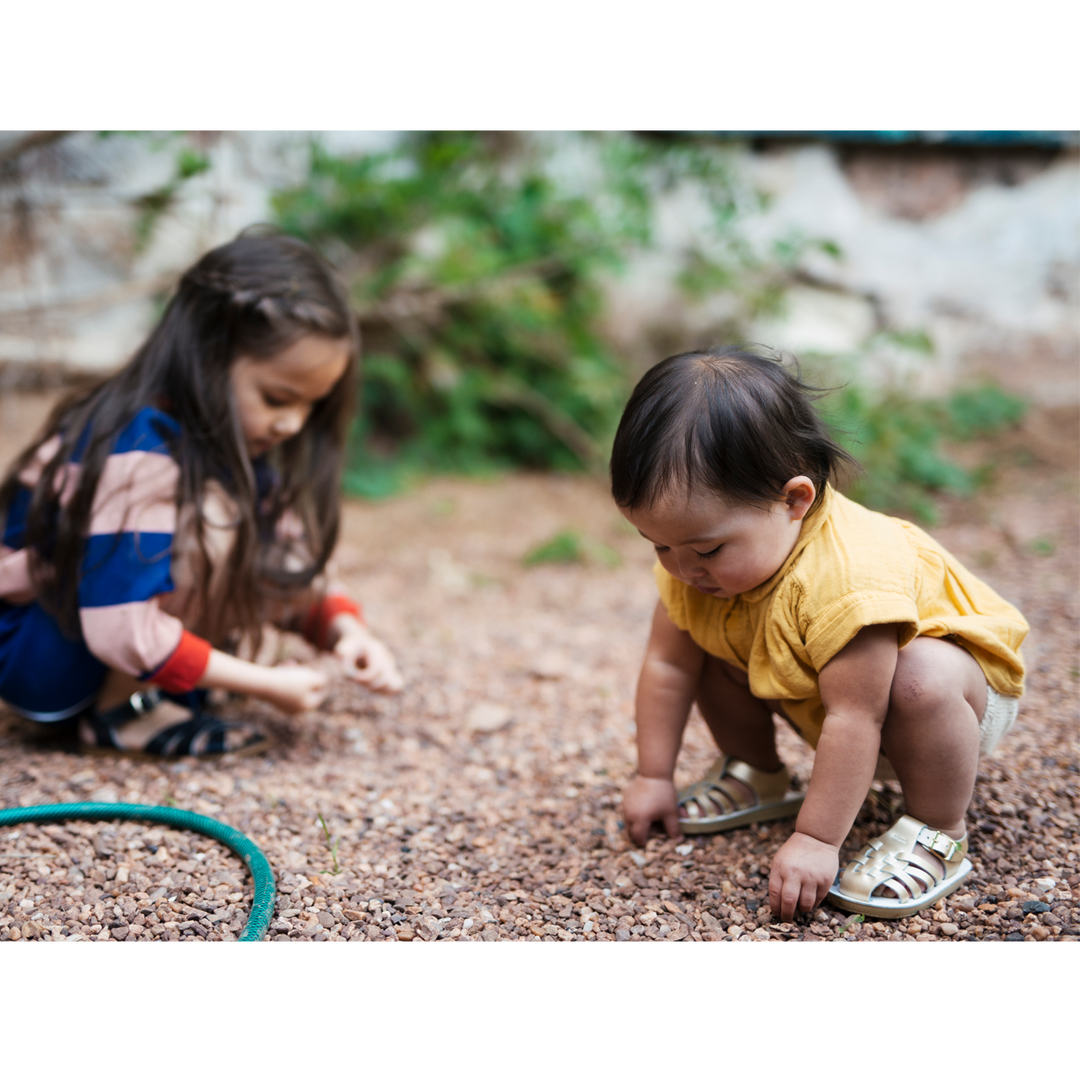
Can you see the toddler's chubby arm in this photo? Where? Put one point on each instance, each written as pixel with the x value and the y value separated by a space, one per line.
pixel 666 689
pixel 855 687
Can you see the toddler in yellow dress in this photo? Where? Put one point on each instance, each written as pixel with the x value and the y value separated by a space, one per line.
pixel 778 594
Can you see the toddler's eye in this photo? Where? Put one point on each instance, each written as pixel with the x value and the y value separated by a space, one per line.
pixel 273 402
pixel 660 549
pixel 709 554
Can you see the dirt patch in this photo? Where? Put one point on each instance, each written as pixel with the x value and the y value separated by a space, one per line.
pixel 483 802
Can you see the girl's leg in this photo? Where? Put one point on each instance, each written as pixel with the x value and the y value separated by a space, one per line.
pixel 197 732
pixel 44 675
pixel 931 731
pixel 140 731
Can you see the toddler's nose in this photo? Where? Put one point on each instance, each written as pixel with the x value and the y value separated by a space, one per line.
pixel 689 567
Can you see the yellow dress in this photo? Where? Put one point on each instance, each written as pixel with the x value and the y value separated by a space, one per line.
pixel 850 568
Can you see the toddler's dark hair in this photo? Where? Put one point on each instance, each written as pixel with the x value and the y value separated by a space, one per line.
pixel 725 419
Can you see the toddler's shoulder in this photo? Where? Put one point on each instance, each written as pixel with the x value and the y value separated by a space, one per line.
pixel 854 519
pixel 858 570
pixel 856 553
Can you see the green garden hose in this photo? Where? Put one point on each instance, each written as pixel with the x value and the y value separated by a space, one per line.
pixel 262 905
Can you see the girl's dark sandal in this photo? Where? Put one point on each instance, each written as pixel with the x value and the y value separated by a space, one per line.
pixel 204 731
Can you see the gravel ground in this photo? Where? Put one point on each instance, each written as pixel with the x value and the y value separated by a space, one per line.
pixel 483 802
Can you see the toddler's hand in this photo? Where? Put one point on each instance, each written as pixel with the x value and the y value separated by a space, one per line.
pixel 802 874
pixel 647 800
pixel 294 688
pixel 367 660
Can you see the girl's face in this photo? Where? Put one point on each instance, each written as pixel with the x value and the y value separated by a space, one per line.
pixel 274 396
pixel 721 548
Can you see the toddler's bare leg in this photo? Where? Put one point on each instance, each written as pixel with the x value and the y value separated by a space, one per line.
pixel 931 731
pixel 741 724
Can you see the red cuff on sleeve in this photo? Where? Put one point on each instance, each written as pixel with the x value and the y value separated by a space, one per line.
pixel 322 613
pixel 183 670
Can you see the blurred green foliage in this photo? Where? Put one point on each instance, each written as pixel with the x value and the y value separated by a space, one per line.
pixel 897 439
pixel 478 266
pixel 478 273
pixel 570 546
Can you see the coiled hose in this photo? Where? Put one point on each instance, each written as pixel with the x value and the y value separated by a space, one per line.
pixel 262 905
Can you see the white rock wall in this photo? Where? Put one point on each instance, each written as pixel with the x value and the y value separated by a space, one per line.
pixel 992 280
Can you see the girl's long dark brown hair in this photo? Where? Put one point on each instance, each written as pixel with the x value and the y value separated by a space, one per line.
pixel 252 297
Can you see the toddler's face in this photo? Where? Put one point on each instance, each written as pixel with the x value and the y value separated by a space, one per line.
pixel 274 396
pixel 720 548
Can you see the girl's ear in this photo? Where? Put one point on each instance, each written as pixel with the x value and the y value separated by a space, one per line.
pixel 799 494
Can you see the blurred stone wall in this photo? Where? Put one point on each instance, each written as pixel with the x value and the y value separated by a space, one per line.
pixel 79 286
pixel 973 251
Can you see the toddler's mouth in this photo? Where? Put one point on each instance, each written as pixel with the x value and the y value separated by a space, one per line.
pixel 708 590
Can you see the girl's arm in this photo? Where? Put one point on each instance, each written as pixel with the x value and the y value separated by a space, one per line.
pixel 335 623
pixel 292 688
pixel 666 688
pixel 855 687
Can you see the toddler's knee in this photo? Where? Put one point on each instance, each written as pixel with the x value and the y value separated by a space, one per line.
pixel 933 674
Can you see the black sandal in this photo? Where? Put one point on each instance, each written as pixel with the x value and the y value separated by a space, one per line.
pixel 179 740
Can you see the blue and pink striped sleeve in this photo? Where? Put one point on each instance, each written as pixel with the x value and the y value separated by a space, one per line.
pixel 127 561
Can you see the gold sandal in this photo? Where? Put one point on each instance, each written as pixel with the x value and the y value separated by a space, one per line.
pixel 910 878
pixel 772 797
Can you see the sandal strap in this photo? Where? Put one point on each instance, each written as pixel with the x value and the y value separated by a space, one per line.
pixel 941 844
pixel 177 741
pixel 139 704
pixel 713 787
pixel 769 786
pixel 707 798
pixel 105 723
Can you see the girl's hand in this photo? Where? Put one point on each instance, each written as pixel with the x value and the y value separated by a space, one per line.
pixel 647 800
pixel 365 658
pixel 294 688
pixel 802 874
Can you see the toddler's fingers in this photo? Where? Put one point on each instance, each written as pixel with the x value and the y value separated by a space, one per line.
pixel 784 893
pixel 808 896
pixel 822 892
pixel 790 893
pixel 673 824
pixel 638 830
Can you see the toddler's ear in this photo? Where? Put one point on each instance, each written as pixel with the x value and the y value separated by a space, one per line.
pixel 799 493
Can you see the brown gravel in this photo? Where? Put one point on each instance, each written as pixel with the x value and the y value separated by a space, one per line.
pixel 483 802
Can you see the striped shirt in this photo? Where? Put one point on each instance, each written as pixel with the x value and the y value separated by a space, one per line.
pixel 126 561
